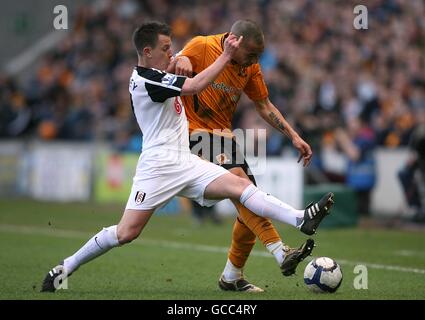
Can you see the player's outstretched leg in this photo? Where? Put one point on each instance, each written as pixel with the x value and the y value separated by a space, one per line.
pixel 99 244
pixel 315 212
pixel 129 228
pixel 266 205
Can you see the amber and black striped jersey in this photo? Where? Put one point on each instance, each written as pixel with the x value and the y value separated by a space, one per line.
pixel 215 106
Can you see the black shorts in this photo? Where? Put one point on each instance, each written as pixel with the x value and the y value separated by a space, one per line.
pixel 220 150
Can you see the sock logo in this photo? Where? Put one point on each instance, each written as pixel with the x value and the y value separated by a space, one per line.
pixel 140 197
pixel 95 240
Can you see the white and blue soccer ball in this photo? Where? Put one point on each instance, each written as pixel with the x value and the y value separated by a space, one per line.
pixel 323 275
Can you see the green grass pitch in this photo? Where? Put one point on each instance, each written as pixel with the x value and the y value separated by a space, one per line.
pixel 174 259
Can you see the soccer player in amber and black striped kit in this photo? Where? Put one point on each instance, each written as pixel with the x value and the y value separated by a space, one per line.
pixel 213 110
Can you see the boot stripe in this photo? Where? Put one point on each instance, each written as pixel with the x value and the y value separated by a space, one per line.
pixel 317 207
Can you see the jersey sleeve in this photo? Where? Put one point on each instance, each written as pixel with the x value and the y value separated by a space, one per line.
pixel 195 51
pixel 161 85
pixel 256 88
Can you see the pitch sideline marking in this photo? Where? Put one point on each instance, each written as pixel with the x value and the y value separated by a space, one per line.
pixel 59 233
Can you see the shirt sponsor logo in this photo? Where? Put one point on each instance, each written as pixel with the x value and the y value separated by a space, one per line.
pixel 228 89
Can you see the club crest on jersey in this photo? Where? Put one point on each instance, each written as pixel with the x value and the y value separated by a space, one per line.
pixel 177 106
pixel 169 79
pixel 140 197
pixel 222 159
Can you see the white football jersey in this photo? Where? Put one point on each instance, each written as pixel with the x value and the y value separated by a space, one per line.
pixel 158 109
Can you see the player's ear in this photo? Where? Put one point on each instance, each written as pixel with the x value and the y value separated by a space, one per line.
pixel 147 51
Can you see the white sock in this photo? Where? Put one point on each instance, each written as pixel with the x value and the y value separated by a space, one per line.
pixel 276 249
pixel 265 205
pixel 231 273
pixel 100 243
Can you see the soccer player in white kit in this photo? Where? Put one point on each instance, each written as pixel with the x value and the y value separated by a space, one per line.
pixel 166 167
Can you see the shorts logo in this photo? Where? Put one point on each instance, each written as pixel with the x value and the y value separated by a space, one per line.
pixel 222 159
pixel 177 106
pixel 140 197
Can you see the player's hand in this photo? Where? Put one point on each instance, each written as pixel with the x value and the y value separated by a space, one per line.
pixel 171 66
pixel 183 66
pixel 231 44
pixel 304 149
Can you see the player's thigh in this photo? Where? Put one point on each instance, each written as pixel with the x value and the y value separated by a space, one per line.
pixel 132 223
pixel 151 190
pixel 226 186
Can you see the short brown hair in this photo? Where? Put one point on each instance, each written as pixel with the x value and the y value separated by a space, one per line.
pixel 249 30
pixel 147 34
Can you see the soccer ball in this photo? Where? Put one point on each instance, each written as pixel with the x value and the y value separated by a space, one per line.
pixel 323 275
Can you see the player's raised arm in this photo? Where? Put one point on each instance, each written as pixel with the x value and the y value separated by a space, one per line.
pixel 191 56
pixel 201 80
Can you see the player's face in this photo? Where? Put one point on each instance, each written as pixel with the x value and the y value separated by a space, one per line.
pixel 161 54
pixel 248 53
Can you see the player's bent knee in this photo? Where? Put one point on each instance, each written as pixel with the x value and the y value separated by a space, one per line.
pixel 126 238
pixel 238 171
pixel 244 183
pixel 240 184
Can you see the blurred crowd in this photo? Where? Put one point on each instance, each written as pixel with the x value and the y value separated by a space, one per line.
pixel 343 89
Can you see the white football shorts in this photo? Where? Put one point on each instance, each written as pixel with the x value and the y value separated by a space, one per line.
pixel 163 174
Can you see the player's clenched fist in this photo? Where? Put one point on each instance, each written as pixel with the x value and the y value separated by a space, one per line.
pixel 231 44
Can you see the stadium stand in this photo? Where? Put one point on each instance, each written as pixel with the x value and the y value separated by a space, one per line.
pixel 322 73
